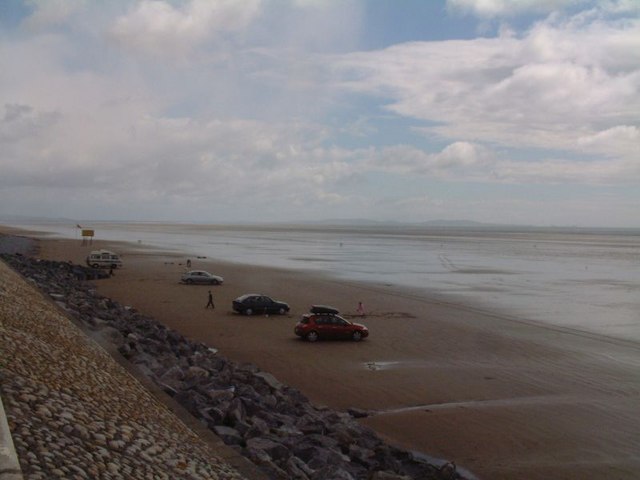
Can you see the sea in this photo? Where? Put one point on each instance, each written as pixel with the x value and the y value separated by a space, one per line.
pixel 576 278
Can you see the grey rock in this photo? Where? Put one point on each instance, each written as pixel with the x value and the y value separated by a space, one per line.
pixel 275 450
pixel 236 412
pixel 358 412
pixel 228 435
pixel 220 395
pixel 388 476
pixel 333 472
pixel 298 468
pixel 196 372
pixel 270 380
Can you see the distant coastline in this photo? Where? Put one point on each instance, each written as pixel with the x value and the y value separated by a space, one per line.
pixel 340 224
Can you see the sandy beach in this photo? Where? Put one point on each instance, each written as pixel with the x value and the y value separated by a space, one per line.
pixel 501 396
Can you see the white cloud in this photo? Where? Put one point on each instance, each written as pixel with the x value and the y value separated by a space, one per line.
pixel 459 160
pixel 125 133
pixel 560 81
pixel 264 132
pixel 49 13
pixel 621 140
pixel 157 27
pixel 565 172
pixel 497 8
pixel 620 6
pixel 468 162
pixel 168 156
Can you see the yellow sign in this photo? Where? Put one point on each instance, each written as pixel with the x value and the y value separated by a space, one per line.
pixel 87 233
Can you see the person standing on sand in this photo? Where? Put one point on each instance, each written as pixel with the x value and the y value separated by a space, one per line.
pixel 210 302
pixel 360 309
pixel 188 263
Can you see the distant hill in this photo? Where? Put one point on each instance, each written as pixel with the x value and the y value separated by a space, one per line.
pixel 363 222
pixel 454 223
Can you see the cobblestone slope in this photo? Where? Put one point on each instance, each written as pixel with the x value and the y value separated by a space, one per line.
pixel 75 413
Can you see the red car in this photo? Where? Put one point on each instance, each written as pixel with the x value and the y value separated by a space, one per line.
pixel 313 326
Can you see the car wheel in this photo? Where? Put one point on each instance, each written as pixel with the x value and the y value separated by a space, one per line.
pixel 214 282
pixel 188 281
pixel 356 336
pixel 95 265
pixel 248 311
pixel 282 311
pixel 312 336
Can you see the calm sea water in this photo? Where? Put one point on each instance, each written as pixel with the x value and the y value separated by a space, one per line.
pixel 581 279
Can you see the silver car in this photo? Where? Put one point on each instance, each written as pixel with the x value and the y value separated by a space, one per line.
pixel 201 277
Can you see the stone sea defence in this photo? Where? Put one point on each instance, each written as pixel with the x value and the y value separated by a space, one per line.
pixel 75 413
pixel 270 423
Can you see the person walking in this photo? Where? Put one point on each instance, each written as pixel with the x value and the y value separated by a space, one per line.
pixel 210 301
pixel 360 309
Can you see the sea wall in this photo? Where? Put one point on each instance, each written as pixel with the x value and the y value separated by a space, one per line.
pixel 270 423
pixel 74 413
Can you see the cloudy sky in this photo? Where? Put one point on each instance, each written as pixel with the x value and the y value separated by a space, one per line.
pixel 508 111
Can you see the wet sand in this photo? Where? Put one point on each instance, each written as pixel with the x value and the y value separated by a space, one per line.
pixel 501 396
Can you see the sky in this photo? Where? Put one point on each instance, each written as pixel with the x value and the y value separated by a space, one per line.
pixel 521 112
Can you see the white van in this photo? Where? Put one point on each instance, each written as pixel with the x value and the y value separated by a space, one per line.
pixel 103 259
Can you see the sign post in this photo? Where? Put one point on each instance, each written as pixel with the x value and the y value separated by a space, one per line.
pixel 87 236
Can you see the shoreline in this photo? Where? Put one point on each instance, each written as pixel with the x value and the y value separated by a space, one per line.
pixel 494 394
pixel 534 276
pixel 422 294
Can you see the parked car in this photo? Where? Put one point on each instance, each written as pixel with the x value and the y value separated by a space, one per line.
pixel 256 303
pixel 103 259
pixel 201 277
pixel 314 326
